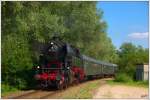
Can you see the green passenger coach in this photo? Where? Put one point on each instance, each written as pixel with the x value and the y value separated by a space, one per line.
pixel 94 67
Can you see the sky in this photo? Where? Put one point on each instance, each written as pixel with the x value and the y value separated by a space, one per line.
pixel 127 21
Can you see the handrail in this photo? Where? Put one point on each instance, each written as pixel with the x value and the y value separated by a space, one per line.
pixel 51 68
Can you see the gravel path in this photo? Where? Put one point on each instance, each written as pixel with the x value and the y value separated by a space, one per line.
pixel 121 91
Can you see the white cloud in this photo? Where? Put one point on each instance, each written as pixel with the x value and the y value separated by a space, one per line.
pixel 138 35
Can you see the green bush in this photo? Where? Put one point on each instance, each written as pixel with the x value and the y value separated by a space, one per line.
pixel 122 77
pixel 142 83
pixel 5 88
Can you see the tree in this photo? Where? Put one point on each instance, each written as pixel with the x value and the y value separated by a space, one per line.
pixel 129 56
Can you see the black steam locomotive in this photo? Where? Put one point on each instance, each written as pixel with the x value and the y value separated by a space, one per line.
pixel 62 64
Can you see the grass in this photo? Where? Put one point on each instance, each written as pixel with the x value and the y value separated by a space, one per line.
pixel 82 91
pixel 6 89
pixel 125 79
pixel 144 84
pixel 86 92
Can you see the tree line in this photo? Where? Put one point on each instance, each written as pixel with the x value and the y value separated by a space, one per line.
pixel 78 23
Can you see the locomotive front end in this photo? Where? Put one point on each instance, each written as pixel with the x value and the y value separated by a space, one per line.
pixel 50 69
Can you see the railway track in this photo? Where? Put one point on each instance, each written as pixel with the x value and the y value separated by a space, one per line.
pixel 35 94
pixel 24 95
pixel 49 93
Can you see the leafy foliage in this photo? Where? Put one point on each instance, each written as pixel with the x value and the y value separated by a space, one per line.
pixel 122 77
pixel 129 56
pixel 6 88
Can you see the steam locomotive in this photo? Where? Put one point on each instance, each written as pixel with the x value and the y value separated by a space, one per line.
pixel 61 64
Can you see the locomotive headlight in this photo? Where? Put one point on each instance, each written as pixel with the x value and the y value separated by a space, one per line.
pixel 38 67
pixel 52 43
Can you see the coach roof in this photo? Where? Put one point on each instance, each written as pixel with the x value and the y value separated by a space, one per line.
pixel 97 61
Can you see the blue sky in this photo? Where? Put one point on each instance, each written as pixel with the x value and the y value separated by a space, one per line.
pixel 127 21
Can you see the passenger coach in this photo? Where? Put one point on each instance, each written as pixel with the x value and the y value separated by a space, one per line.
pixel 97 68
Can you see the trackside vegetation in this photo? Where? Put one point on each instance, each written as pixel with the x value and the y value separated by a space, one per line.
pixel 129 83
pixel 7 89
pixel 24 24
pixel 82 91
pixel 129 55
